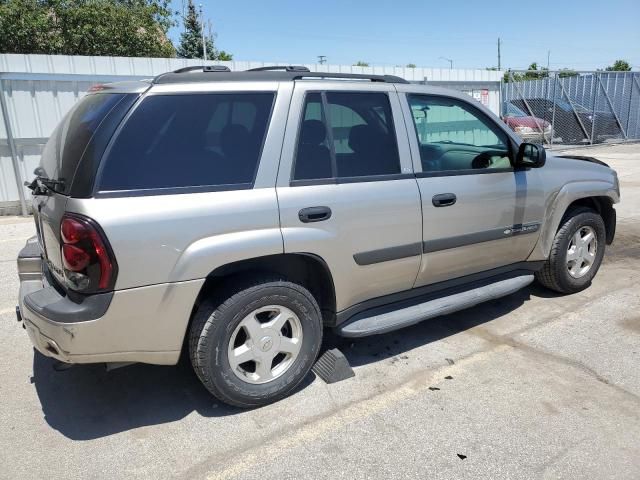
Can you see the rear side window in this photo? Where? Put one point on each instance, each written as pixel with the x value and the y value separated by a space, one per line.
pixel 74 137
pixel 194 140
pixel 346 134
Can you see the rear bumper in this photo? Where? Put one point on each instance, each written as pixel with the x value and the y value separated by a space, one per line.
pixel 145 324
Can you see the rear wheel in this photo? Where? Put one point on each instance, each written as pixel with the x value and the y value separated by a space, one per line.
pixel 576 253
pixel 258 344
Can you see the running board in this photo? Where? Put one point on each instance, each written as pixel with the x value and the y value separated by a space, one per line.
pixel 372 323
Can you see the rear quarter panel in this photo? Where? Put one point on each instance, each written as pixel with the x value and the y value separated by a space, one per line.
pixel 172 238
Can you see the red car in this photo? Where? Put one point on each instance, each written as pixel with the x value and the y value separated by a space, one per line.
pixel 531 129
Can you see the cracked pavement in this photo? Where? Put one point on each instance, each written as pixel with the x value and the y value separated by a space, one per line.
pixel 533 385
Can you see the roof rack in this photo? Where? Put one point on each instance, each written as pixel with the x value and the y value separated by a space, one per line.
pixel 204 68
pixel 286 68
pixel 194 68
pixel 352 76
pixel 265 74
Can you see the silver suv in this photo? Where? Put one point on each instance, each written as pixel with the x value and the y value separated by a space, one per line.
pixel 234 215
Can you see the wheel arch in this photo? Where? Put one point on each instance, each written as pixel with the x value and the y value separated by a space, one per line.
pixel 599 196
pixel 306 269
pixel 603 205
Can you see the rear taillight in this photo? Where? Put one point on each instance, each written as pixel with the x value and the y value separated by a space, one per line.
pixel 89 264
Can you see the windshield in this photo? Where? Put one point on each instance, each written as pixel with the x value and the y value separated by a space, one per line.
pixel 68 142
pixel 514 111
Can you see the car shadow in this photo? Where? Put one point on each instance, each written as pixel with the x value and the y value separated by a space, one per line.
pixel 87 402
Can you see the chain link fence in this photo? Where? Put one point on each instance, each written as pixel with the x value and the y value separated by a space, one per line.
pixel 572 108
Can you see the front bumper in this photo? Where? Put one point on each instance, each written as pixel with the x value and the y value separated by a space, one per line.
pixel 536 136
pixel 145 324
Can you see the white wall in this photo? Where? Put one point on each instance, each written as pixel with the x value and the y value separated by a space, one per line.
pixel 132 66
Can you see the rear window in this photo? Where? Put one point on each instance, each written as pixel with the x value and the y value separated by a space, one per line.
pixel 353 136
pixel 194 141
pixel 74 137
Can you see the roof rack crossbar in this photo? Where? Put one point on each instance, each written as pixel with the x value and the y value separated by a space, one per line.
pixel 286 68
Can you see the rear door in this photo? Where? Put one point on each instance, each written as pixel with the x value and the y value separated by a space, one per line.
pixel 346 188
pixel 478 212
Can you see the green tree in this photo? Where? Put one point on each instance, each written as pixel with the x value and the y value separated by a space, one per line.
pixel 191 38
pixel 567 72
pixel 360 63
pixel 411 65
pixel 532 73
pixel 510 76
pixel 619 66
pixel 86 27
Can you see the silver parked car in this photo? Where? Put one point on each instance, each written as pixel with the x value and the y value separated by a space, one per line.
pixel 234 215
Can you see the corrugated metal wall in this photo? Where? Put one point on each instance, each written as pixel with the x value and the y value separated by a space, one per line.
pixel 39 89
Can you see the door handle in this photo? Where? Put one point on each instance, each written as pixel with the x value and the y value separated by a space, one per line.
pixel 443 199
pixel 314 214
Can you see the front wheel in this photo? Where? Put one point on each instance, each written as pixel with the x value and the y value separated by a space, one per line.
pixel 256 346
pixel 576 253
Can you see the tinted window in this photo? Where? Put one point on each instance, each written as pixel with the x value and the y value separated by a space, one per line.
pixel 514 111
pixel 453 135
pixel 195 140
pixel 353 136
pixel 73 135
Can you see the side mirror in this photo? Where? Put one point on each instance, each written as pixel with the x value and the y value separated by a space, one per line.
pixel 531 155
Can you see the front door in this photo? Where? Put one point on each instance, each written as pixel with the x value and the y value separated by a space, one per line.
pixel 478 212
pixel 346 188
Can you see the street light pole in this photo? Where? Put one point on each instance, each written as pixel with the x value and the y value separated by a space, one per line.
pixel 204 44
pixel 450 62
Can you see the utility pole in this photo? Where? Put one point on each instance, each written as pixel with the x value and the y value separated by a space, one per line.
pixel 548 56
pixel 184 27
pixel 204 44
pixel 499 65
pixel 322 59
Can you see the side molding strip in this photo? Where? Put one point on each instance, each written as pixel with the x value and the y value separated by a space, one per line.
pixel 414 249
pixel 479 237
pixel 388 254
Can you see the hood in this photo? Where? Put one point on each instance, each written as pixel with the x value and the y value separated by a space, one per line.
pixel 583 158
pixel 533 122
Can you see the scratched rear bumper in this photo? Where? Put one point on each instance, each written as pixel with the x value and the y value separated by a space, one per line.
pixel 145 324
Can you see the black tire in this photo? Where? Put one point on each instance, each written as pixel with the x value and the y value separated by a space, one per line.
pixel 555 274
pixel 213 326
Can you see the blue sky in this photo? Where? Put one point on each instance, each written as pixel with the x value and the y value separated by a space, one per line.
pixel 582 35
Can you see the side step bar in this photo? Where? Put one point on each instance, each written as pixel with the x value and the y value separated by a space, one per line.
pixel 382 320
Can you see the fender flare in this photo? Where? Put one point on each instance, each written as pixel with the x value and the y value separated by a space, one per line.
pixel 558 204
